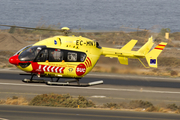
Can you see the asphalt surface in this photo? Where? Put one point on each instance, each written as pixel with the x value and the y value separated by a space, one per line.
pixel 50 113
pixel 111 80
pixel 116 88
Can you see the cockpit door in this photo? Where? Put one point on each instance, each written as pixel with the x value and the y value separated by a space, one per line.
pixel 42 56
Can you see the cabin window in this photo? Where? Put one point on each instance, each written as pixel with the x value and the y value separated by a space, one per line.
pixel 72 56
pixel 59 55
pixel 55 55
pixel 42 56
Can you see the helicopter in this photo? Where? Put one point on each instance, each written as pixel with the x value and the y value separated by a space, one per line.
pixel 75 56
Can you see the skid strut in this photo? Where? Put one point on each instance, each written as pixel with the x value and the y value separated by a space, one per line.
pixel 57 79
pixel 31 77
pixel 53 80
pixel 33 81
pixel 78 81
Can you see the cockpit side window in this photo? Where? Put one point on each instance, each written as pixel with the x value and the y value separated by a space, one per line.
pixel 42 56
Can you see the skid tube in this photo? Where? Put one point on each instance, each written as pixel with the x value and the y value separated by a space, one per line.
pixel 66 83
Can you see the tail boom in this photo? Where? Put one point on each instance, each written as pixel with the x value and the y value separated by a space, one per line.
pixel 126 52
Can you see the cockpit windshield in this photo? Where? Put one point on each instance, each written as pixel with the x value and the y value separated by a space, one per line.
pixel 30 53
pixel 21 50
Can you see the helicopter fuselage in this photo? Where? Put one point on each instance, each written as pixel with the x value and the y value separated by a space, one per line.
pixel 59 56
pixel 74 57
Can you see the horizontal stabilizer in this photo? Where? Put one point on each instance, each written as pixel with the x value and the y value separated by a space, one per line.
pixel 129 45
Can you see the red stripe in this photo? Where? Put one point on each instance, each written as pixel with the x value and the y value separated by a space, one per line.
pixel 54 69
pixel 62 70
pixel 50 69
pixel 159 48
pixel 46 68
pixel 42 66
pixel 58 70
pixel 86 64
pixel 89 61
pixel 161 45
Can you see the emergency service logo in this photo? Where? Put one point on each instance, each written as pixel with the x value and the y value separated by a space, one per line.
pixel 80 70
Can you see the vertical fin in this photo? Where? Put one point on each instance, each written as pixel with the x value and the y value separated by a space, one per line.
pixel 151 57
pixel 146 47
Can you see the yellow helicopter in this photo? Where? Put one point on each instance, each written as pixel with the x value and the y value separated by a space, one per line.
pixel 74 57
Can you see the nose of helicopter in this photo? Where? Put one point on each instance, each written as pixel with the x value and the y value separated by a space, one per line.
pixel 14 60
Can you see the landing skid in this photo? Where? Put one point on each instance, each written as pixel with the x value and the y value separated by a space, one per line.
pixel 33 81
pixel 66 83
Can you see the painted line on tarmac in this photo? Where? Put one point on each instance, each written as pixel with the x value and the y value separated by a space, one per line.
pixel 97 96
pixel 94 88
pixel 129 76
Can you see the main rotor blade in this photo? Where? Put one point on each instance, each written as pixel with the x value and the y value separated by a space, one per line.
pixel 13 26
